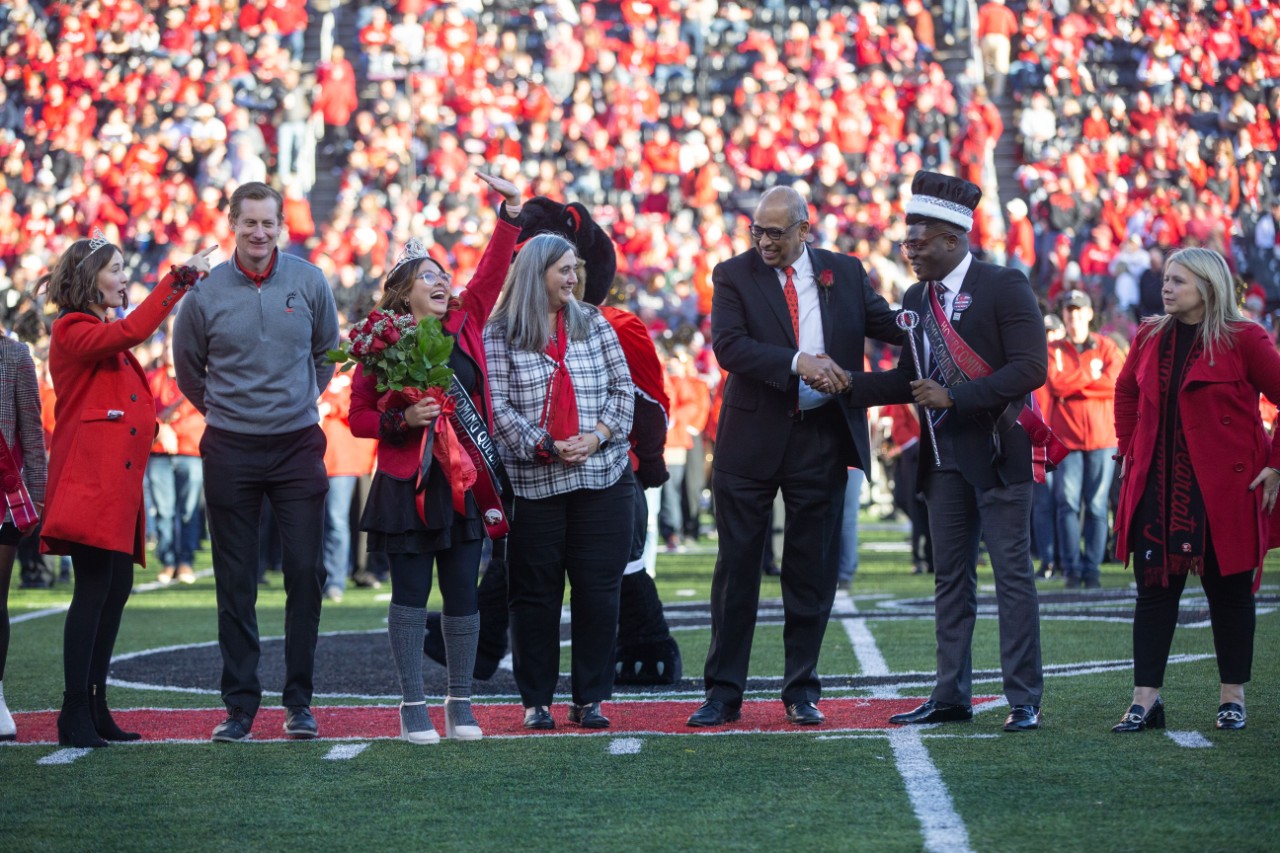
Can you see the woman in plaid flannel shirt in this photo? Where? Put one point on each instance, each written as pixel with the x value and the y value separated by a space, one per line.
pixel 562 404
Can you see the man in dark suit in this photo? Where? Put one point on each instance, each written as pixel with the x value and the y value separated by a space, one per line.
pixel 979 483
pixel 787 323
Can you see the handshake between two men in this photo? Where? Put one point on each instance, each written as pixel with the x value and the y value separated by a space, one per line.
pixel 822 374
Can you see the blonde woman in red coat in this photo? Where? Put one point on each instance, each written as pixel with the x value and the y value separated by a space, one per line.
pixel 1199 476
pixel 106 421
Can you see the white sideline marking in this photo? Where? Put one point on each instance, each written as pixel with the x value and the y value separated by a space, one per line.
pixel 870 661
pixel 941 826
pixel 1189 740
pixel 64 756
pixel 625 745
pixel 39 614
pixel 345 751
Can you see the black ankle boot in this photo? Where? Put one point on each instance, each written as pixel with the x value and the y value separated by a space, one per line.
pixel 103 723
pixel 75 723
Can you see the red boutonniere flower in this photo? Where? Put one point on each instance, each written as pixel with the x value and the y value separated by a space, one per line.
pixel 826 278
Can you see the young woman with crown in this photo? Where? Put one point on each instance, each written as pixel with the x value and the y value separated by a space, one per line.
pixel 106 421
pixel 412 515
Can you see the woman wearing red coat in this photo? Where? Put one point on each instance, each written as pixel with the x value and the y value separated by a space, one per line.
pixel 1199 476
pixel 106 421
pixel 416 536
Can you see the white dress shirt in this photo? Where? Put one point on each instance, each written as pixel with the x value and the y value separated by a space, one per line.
pixel 812 340
pixel 951 285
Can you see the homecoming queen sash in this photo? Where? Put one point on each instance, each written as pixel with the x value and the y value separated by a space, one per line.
pixel 490 482
pixel 959 363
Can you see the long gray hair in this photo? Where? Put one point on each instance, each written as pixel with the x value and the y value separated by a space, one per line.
pixel 522 315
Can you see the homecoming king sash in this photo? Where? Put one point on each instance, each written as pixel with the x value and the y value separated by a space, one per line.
pixel 959 363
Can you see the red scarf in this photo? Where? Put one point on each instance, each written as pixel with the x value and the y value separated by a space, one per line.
pixel 560 410
pixel 1172 539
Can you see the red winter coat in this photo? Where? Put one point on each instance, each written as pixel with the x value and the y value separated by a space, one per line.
pixel 1218 405
pixel 466 322
pixel 106 421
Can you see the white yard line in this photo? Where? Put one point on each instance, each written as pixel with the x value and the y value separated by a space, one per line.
pixel 942 828
pixel 39 614
pixel 625 745
pixel 345 751
pixel 870 661
pixel 1189 740
pixel 64 756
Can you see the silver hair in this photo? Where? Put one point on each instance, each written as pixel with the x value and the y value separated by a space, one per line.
pixel 797 207
pixel 522 315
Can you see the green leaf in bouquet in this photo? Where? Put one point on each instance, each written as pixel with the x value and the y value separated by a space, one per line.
pixel 337 356
pixel 439 376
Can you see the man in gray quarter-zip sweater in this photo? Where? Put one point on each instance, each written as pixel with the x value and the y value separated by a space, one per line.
pixel 249 348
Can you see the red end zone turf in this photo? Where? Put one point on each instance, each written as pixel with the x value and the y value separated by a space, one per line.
pixel 349 722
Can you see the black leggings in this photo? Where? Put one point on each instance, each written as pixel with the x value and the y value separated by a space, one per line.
pixel 103 580
pixel 7 554
pixel 1231 613
pixel 459 569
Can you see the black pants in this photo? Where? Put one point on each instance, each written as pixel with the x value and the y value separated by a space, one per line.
pixel 239 472
pixel 1231 613
pixel 812 480
pixel 103 581
pixel 584 535
pixel 458 569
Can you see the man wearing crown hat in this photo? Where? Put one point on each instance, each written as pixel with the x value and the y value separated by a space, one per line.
pixel 788 323
pixel 981 339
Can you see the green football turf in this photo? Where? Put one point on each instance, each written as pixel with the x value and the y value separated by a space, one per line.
pixel 1071 786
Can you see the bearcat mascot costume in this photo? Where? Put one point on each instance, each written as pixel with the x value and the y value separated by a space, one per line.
pixel 646 652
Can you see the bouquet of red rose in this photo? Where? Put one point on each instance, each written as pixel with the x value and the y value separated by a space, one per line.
pixel 410 361
pixel 401 353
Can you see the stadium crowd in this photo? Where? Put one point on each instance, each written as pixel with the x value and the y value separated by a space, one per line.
pixel 1141 125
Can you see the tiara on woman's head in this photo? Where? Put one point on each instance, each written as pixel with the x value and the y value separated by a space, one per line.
pixel 414 250
pixel 96 241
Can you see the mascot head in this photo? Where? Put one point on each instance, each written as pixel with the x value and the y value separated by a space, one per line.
pixel 594 248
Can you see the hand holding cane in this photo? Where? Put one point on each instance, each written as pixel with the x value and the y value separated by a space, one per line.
pixel 907 321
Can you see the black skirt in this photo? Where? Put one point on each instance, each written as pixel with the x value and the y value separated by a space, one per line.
pixel 391 516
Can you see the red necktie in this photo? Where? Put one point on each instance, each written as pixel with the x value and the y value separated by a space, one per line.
pixel 793 302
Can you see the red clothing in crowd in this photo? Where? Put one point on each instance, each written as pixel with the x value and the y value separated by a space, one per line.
pixel 1082 384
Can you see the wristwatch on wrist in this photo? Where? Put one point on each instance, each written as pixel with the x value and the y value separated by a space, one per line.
pixel 600 437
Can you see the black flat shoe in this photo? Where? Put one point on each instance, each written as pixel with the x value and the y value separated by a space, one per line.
pixel 805 714
pixel 538 718
pixel 1138 718
pixel 934 712
pixel 1230 716
pixel 713 712
pixel 588 716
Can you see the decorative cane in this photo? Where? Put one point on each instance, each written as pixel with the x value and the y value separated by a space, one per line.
pixel 907 321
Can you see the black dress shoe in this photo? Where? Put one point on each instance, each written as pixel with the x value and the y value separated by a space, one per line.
pixel 299 723
pixel 588 716
pixel 1230 716
pixel 234 728
pixel 934 712
pixel 1022 718
pixel 713 712
pixel 805 714
pixel 1138 718
pixel 538 718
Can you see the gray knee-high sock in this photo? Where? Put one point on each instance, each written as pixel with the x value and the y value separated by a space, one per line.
pixel 461 633
pixel 405 629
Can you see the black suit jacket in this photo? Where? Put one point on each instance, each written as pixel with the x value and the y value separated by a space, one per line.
pixel 752 338
pixel 1003 324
